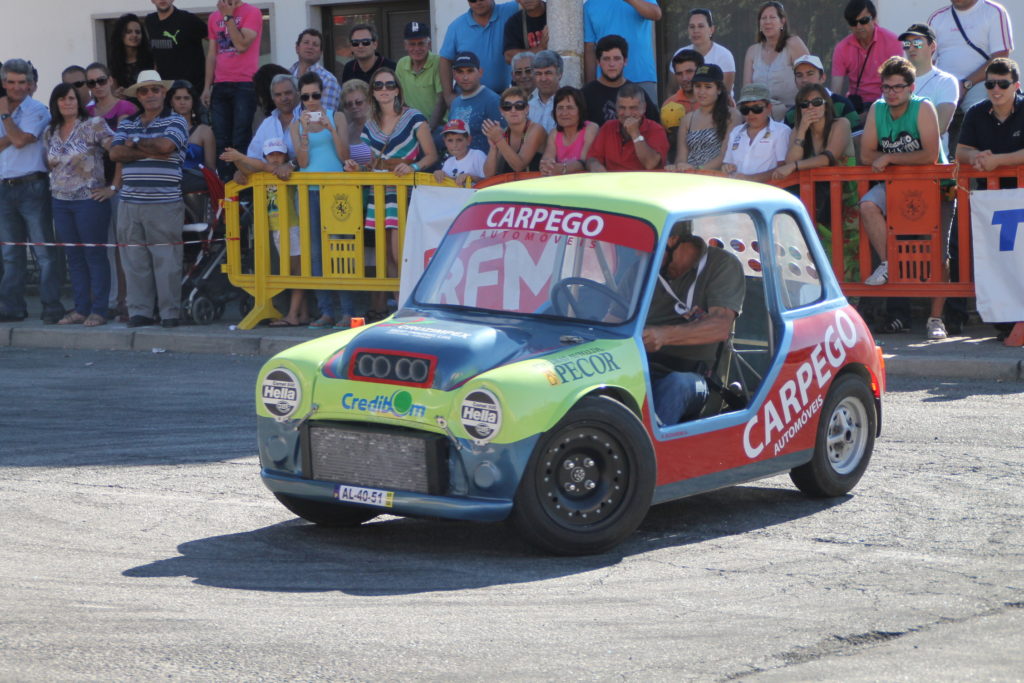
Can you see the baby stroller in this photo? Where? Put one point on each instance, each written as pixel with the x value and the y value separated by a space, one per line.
pixel 205 290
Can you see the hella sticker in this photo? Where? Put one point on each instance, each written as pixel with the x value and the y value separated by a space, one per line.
pixel 480 415
pixel 280 393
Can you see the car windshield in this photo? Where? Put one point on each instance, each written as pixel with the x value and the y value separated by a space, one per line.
pixel 541 260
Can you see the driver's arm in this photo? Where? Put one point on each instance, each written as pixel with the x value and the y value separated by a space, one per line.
pixel 715 326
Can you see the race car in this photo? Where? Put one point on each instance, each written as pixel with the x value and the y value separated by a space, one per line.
pixel 513 383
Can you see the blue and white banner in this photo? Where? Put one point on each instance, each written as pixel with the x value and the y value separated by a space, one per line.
pixel 431 212
pixel 997 226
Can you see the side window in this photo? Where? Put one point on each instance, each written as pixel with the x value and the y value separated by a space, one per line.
pixel 797 275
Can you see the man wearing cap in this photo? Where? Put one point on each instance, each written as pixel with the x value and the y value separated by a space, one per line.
pixel 527 29
pixel 481 30
pixel 932 83
pixel 150 147
pixel 856 58
pixel 419 73
pixel 547 75
pixel 309 49
pixel 25 206
pixel 475 102
pixel 365 58
pixel 699 295
pixel 757 146
pixel 808 69
pixel 632 142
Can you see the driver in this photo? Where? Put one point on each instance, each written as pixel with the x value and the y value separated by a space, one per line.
pixel 698 297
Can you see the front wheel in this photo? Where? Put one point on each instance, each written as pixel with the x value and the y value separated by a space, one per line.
pixel 589 481
pixel 326 514
pixel 845 440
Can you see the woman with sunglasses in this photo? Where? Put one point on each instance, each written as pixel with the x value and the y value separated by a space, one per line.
pixel 129 53
pixel 703 130
pixel 770 59
pixel 701 29
pixel 320 139
pixel 520 146
pixel 74 145
pixel 104 102
pixel 566 150
pixel 400 141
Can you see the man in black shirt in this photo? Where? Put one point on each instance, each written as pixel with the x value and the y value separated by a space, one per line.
pixel 612 53
pixel 527 29
pixel 365 59
pixel 176 40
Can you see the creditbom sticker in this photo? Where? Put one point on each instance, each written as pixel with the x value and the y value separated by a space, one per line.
pixel 281 393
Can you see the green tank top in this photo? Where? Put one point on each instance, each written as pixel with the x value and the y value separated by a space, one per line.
pixel 900 136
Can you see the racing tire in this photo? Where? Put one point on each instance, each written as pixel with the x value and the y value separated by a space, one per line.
pixel 326 514
pixel 844 441
pixel 589 481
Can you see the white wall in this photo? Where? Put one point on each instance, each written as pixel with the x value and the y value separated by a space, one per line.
pixel 897 15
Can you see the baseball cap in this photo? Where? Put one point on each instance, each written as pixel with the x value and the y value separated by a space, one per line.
pixel 708 73
pixel 455 126
pixel 417 29
pixel 466 59
pixel 919 31
pixel 810 59
pixel 753 92
pixel 274 145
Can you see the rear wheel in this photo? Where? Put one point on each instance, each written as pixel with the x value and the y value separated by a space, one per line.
pixel 845 440
pixel 589 481
pixel 326 514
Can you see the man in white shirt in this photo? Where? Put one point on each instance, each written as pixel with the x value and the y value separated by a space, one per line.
pixel 987 25
pixel 756 147
pixel 935 85
pixel 547 75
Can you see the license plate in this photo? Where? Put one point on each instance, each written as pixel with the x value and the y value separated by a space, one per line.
pixel 356 494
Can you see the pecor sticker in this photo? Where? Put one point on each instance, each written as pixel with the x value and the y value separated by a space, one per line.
pixel 480 414
pixel 281 393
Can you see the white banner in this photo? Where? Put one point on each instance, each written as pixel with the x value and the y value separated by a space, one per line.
pixel 997 226
pixel 431 212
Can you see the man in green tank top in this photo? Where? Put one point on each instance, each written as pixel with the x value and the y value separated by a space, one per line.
pixel 900 129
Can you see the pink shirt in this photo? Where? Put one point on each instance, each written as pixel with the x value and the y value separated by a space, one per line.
pixel 231 66
pixel 849 56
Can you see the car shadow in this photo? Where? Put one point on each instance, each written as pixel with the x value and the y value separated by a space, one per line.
pixel 399 556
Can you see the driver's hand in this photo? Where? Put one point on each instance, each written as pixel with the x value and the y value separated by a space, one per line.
pixel 652 338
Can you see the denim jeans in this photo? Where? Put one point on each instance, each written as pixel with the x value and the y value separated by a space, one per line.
pixel 678 396
pixel 25 216
pixel 85 220
pixel 327 299
pixel 232 106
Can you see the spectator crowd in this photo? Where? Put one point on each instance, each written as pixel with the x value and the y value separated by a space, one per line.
pixel 109 158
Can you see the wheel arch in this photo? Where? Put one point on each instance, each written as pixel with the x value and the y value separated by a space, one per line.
pixel 862 371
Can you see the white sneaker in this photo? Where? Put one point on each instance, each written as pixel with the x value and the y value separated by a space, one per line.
pixel 935 329
pixel 880 276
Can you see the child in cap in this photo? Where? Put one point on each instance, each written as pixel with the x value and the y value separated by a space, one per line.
pixel 463 162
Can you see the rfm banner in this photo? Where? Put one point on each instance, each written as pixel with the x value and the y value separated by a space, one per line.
pixel 997 224
pixel 431 212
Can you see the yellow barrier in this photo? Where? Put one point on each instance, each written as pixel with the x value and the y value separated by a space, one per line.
pixel 346 261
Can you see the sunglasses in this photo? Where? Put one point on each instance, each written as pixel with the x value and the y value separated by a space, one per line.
pixel 364 42
pixel 93 82
pixel 147 89
pixel 752 109
pixel 523 72
pixel 385 85
pixel 863 21
pixel 916 42
pixel 816 102
pixel 1003 83
pixel 307 96
pixel 899 87
pixel 518 105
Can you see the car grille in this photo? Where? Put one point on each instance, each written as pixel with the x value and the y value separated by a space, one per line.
pixel 391 459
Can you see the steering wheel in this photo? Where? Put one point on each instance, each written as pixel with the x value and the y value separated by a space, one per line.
pixel 562 298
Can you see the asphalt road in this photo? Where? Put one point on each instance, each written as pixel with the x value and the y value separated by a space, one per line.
pixel 138 543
